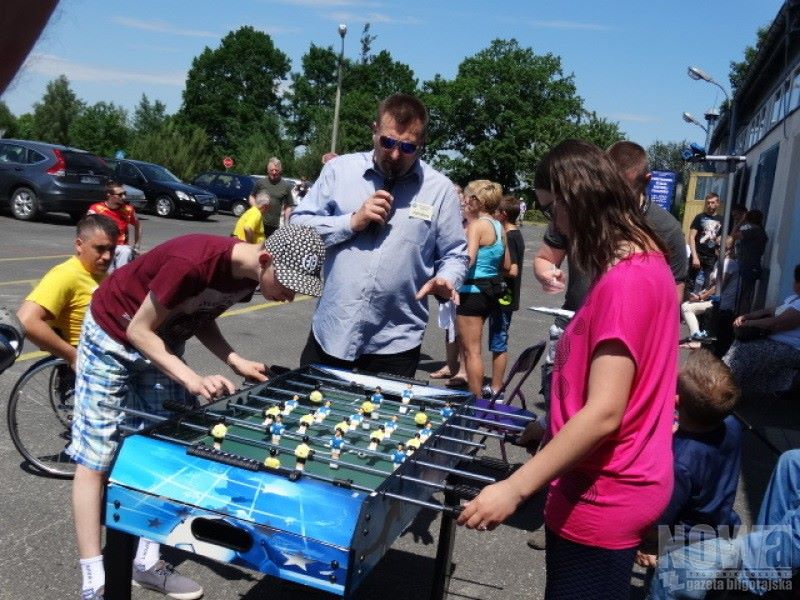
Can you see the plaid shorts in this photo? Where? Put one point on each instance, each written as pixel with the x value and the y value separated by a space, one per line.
pixel 118 375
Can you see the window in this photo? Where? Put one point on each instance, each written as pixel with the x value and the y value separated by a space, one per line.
pixel 204 179
pixel 777 108
pixel 13 153
pixel 794 99
pixel 128 171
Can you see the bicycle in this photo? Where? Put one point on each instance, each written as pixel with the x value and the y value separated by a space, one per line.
pixel 39 416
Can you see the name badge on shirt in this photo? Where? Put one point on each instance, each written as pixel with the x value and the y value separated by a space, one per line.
pixel 421 211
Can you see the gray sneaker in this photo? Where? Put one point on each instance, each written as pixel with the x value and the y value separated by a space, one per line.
pixel 162 577
pixel 93 594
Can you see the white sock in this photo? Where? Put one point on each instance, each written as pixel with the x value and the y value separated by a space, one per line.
pixel 94 575
pixel 147 554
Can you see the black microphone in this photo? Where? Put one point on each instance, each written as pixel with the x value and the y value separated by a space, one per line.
pixel 386 186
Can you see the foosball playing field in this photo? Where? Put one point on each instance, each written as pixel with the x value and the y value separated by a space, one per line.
pixel 309 477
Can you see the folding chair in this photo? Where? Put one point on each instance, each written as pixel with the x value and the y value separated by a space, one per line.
pixel 523 367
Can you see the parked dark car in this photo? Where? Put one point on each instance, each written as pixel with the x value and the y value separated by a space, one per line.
pixel 166 195
pixel 231 189
pixel 37 178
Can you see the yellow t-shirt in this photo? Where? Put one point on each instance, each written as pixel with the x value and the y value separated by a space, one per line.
pixel 65 291
pixel 252 219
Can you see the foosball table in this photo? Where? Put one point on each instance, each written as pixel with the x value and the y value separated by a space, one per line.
pixel 309 477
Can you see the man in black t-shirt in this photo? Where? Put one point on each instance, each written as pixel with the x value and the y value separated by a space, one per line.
pixel 704 243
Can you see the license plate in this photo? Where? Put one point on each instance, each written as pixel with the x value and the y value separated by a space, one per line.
pixel 87 179
pixel 208 208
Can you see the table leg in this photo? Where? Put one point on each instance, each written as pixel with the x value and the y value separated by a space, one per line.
pixel 118 559
pixel 444 551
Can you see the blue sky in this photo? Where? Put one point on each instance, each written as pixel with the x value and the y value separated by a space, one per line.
pixel 629 57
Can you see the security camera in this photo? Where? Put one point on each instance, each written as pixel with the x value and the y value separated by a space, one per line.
pixel 694 153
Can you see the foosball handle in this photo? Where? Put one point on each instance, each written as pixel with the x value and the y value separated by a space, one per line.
pixel 452 511
pixel 276 370
pixel 463 492
pixel 493 463
pixel 176 406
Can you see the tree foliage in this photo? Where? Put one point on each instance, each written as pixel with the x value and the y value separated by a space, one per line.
pixel 103 127
pixel 8 122
pixel 739 69
pixel 181 147
pixel 53 116
pixel 504 109
pixel 149 116
pixel 233 90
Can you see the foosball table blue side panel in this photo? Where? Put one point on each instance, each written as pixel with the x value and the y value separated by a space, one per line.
pixel 254 519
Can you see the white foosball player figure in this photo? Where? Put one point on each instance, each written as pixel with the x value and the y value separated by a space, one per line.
pixel 405 399
pixel 377 399
pixel 291 405
pixel 336 443
pixel 447 411
pixel 356 419
pixel 277 429
pixel 425 433
pixel 389 426
pixel 398 456
pixel 323 412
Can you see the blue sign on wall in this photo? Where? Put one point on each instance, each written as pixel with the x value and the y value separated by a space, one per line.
pixel 661 188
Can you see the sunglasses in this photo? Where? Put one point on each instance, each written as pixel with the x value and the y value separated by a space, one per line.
pixel 120 194
pixel 391 143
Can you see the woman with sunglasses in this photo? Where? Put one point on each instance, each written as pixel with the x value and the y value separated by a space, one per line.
pixel 608 458
pixel 481 288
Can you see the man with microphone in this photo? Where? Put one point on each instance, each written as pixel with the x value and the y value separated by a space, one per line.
pixel 392 228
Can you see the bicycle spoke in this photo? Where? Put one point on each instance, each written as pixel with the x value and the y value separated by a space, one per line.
pixel 40 414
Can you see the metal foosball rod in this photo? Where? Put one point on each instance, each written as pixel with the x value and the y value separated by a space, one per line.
pixel 267 445
pixel 488 422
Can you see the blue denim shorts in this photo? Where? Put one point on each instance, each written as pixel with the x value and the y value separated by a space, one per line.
pixel 116 374
pixel 499 323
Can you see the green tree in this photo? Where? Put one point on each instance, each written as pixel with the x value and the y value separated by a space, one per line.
pixel 25 127
pixel 739 69
pixel 364 84
pixel 149 117
pixel 232 89
pixel 504 109
pixel 181 147
pixel 8 122
pixel 53 116
pixel 101 128
pixel 666 156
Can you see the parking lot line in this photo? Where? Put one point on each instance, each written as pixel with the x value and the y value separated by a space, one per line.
pixel 31 282
pixel 35 257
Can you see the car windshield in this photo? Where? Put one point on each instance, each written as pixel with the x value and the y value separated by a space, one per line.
pixel 157 173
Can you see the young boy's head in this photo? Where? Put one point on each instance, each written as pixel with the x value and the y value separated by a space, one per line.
pixel 292 263
pixel 706 390
pixel 508 211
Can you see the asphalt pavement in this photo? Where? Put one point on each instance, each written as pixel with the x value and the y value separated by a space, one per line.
pixel 37 554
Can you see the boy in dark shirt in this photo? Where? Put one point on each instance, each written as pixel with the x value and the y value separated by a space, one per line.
pixel 707 452
pixel 500 317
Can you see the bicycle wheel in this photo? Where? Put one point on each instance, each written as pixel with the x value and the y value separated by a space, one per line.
pixel 39 416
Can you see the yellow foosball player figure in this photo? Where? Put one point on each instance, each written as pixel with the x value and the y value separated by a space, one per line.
pixel 302 453
pixel 316 395
pixel 305 422
pixel 366 410
pixel 336 443
pixel 375 438
pixel 413 444
pixel 218 432
pixel 270 414
pixel 343 425
pixel 272 461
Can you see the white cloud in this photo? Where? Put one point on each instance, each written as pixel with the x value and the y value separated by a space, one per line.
pixel 163 27
pixel 633 118
pixel 344 17
pixel 53 66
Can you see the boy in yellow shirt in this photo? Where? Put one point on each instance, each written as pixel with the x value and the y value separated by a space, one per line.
pixel 53 312
pixel 250 226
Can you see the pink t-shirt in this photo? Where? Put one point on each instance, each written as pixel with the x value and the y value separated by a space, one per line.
pixel 622 486
pixel 190 275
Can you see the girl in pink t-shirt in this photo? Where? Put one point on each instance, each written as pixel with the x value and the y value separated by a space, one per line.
pixel 609 462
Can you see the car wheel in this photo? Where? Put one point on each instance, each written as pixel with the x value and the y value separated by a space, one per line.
pixel 25 204
pixel 165 207
pixel 238 207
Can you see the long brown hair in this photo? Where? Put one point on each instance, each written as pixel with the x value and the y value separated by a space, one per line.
pixel 602 210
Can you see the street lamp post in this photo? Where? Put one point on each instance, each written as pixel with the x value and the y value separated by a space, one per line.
pixel 696 73
pixel 335 134
pixel 689 118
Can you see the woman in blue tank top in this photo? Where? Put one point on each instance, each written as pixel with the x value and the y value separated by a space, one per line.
pixel 487 257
